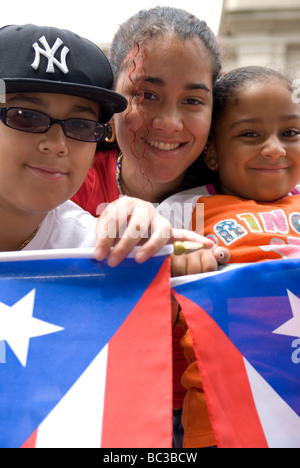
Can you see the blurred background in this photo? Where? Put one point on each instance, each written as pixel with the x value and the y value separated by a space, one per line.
pixel 261 32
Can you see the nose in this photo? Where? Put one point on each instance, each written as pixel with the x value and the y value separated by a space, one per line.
pixel 54 141
pixel 168 120
pixel 273 148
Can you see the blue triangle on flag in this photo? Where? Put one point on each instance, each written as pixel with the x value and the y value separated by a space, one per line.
pixel 90 301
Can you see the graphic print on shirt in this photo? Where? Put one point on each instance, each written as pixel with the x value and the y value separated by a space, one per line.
pixel 269 227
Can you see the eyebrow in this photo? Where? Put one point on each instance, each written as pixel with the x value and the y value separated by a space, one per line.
pixel 188 87
pixel 84 109
pixel 292 117
pixel 245 121
pixel 24 97
pixel 284 118
pixel 37 101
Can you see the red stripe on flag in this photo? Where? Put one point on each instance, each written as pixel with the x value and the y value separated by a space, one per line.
pixel 31 442
pixel 225 381
pixel 138 400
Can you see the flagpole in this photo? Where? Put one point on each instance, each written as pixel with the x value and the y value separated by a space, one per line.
pixel 177 248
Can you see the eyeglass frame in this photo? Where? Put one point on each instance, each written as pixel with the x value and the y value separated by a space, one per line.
pixel 5 110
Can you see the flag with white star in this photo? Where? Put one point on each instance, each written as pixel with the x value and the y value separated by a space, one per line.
pixel 245 327
pixel 86 356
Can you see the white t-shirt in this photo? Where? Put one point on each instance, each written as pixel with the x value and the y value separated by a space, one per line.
pixel 65 227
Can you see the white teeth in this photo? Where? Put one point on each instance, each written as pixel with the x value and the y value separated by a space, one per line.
pixel 164 146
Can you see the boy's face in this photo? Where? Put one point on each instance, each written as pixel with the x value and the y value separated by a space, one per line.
pixel 41 171
pixel 258 143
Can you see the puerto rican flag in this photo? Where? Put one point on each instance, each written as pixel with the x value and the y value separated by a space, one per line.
pixel 245 326
pixel 88 353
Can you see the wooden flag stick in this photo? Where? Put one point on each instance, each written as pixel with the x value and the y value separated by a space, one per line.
pixel 186 247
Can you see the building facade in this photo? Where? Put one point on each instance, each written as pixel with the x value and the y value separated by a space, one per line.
pixel 262 32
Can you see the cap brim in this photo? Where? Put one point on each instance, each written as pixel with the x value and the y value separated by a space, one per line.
pixel 110 101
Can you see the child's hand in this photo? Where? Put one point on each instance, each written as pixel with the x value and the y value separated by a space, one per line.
pixel 128 222
pixel 201 261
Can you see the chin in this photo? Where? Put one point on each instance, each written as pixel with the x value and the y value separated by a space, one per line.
pixel 163 177
pixel 268 197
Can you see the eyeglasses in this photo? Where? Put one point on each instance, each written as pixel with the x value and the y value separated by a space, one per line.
pixel 31 121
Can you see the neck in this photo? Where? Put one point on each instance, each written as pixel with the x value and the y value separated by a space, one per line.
pixel 143 188
pixel 17 231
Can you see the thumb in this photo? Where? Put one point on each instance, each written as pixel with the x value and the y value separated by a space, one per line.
pixel 222 255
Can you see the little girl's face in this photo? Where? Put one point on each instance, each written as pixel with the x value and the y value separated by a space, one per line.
pixel 258 143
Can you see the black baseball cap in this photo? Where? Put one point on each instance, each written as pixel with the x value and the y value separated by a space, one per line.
pixel 51 60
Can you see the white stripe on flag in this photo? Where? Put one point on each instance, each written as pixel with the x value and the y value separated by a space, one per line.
pixel 280 423
pixel 76 421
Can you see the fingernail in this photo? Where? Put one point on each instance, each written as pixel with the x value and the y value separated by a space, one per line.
pixel 100 254
pixel 113 260
pixel 140 256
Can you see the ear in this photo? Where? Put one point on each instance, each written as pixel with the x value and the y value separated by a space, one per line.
pixel 210 154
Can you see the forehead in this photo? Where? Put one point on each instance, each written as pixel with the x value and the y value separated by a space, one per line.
pixel 171 46
pixel 269 90
pixel 51 100
pixel 173 59
pixel 267 97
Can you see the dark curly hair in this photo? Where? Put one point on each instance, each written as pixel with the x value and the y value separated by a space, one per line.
pixel 130 43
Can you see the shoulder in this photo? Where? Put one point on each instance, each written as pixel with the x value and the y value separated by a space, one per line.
pixel 68 226
pixel 105 159
pixel 100 185
pixel 178 208
pixel 296 190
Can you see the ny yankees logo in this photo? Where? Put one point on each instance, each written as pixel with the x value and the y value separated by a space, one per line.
pixel 49 54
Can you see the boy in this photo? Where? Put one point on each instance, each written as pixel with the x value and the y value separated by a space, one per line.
pixel 52 72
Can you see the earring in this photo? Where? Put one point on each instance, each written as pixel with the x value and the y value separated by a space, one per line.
pixel 205 150
pixel 111 134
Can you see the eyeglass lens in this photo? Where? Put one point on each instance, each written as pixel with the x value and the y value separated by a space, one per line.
pixel 36 122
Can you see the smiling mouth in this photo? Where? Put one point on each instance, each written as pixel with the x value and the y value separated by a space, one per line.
pixel 269 169
pixel 164 146
pixel 48 172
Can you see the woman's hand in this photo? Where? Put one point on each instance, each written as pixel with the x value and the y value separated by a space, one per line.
pixel 128 222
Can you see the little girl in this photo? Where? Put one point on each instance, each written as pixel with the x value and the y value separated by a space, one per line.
pixel 253 208
pixel 255 151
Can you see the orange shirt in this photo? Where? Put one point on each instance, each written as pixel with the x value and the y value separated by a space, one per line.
pixel 198 431
pixel 252 231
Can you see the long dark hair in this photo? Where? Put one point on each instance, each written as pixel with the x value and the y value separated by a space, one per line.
pixel 156 22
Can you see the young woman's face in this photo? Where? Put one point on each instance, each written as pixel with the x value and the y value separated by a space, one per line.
pixel 164 133
pixel 258 143
pixel 40 171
